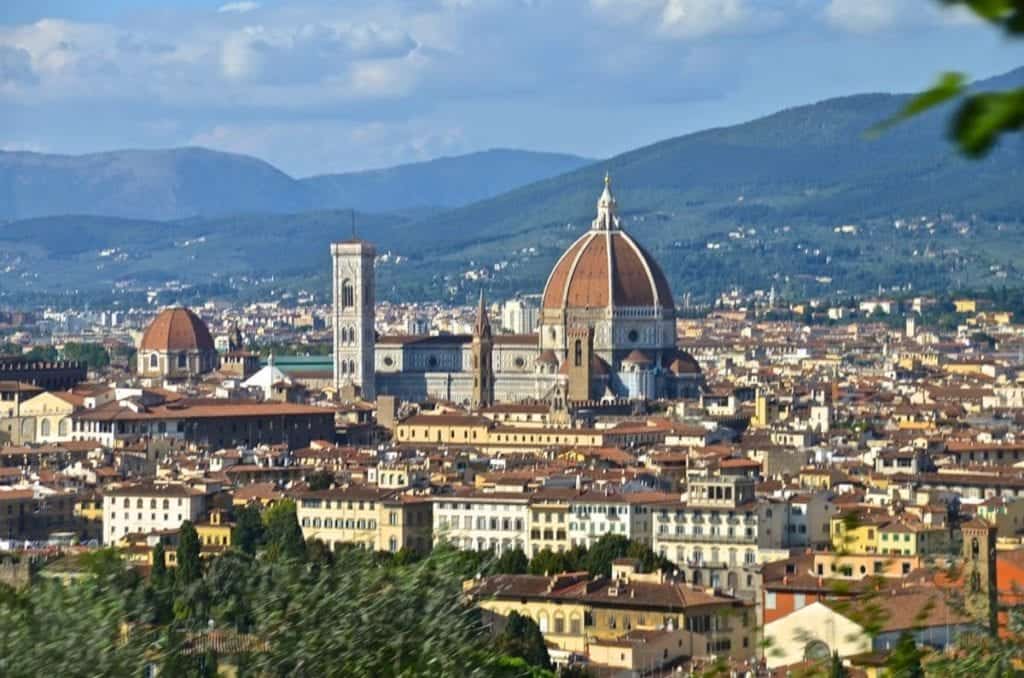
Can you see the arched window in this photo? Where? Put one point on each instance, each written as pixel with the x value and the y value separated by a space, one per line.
pixel 344 367
pixel 62 427
pixel 975 549
pixel 182 360
pixel 578 353
pixel 542 622
pixel 352 366
pixel 348 294
pixel 154 360
pixel 44 427
pixel 816 651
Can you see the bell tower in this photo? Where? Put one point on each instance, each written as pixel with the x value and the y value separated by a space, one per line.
pixel 483 350
pixel 353 317
pixel 979 571
pixel 580 342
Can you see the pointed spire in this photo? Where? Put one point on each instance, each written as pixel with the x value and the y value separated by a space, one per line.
pixel 606 219
pixel 483 322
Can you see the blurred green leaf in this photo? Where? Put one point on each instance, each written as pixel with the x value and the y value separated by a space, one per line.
pixel 983 117
pixel 950 86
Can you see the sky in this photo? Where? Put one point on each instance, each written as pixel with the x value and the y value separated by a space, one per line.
pixel 319 86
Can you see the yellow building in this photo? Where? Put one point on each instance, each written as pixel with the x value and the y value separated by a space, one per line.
pixel 854 534
pixel 373 518
pixel 886 535
pixel 215 532
pixel 549 519
pixel 965 305
pixel 580 614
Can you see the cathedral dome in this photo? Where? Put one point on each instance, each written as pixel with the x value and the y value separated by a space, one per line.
pixel 177 329
pixel 606 267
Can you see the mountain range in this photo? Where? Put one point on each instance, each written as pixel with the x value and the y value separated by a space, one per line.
pixel 197 182
pixel 804 199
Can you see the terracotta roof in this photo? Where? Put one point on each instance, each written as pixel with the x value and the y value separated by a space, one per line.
pixel 177 329
pixel 606 268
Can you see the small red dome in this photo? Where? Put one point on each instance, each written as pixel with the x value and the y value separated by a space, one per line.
pixel 177 329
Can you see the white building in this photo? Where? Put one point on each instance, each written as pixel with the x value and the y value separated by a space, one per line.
pixel 521 315
pixel 480 521
pixel 599 512
pixel 721 533
pixel 143 508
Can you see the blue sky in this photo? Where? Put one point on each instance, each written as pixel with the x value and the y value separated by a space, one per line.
pixel 315 86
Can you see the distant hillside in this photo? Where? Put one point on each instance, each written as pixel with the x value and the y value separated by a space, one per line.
pixel 187 182
pixel 444 182
pixel 166 184
pixel 801 200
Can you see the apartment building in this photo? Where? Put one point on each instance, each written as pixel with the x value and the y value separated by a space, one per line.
pixel 147 507
pixel 580 614
pixel 719 535
pixel 373 518
pixel 478 521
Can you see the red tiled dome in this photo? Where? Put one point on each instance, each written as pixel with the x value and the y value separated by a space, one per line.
pixel 177 329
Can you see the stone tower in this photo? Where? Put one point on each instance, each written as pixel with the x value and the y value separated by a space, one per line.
pixel 483 367
pixel 354 336
pixel 979 572
pixel 580 342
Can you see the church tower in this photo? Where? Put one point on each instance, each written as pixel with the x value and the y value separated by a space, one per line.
pixel 483 368
pixel 581 348
pixel 979 571
pixel 353 318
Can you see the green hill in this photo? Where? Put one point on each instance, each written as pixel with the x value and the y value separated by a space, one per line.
pixel 803 200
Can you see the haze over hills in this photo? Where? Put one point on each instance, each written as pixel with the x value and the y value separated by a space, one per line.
pixel 755 204
pixel 187 182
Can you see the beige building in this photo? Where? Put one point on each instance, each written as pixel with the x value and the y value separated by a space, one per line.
pixel 591 616
pixel 373 518
pixel 50 414
pixel 15 429
pixel 488 436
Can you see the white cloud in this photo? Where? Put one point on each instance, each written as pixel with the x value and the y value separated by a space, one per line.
pixel 336 146
pixel 238 7
pixel 862 16
pixel 685 19
pixel 309 52
pixel 870 16
pixel 697 18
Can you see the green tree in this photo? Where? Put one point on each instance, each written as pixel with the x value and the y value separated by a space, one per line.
pixel 42 353
pixel 189 567
pixel 604 551
pixel 905 659
pixel 522 638
pixel 249 533
pixel 94 355
pixel 158 574
pixel 320 480
pixel 284 536
pixel 547 562
pixel 512 561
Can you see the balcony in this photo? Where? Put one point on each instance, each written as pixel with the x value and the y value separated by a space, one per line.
pixel 707 538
